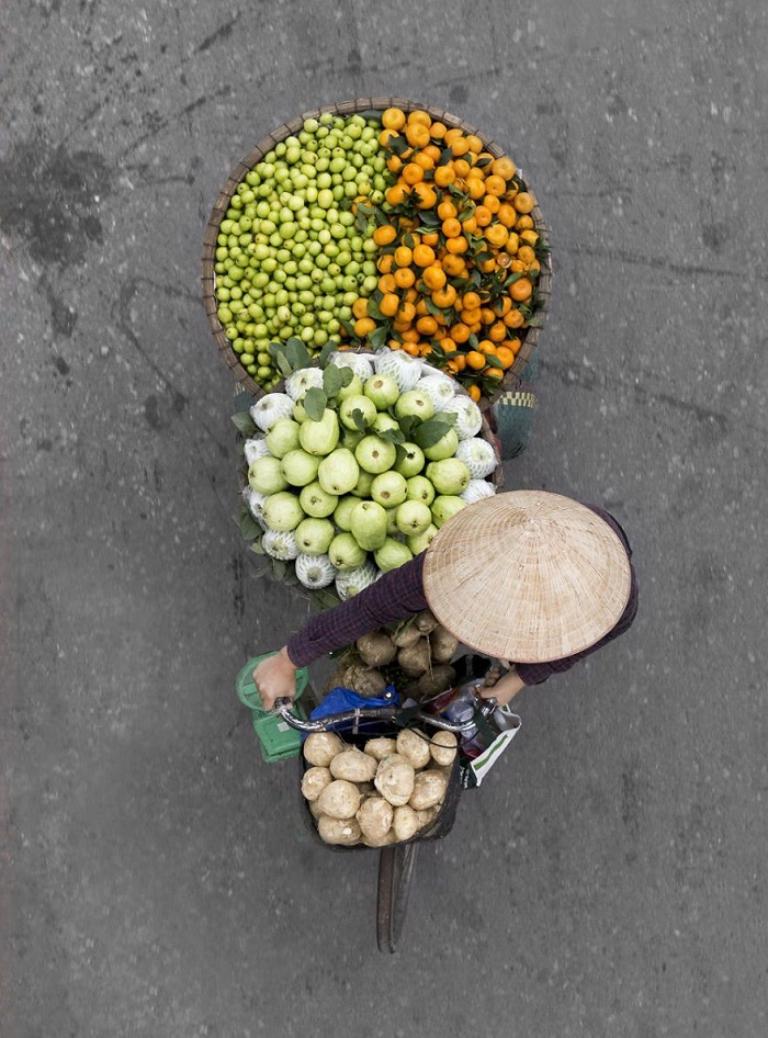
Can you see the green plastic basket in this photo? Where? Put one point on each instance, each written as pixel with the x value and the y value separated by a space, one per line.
pixel 246 689
pixel 277 739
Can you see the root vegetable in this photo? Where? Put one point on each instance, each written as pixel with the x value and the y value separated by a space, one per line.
pixel 395 779
pixel 427 816
pixel 314 810
pixel 415 659
pixel 376 649
pixel 339 799
pixel 385 840
pixel 426 622
pixel 335 830
pixel 375 818
pixel 414 746
pixel 406 636
pixel 443 748
pixel 366 682
pixel 438 680
pixel 428 789
pixel 442 644
pixel 321 747
pixel 354 766
pixel 380 747
pixel 406 822
pixel 314 781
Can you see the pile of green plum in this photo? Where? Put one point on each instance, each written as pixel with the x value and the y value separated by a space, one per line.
pixel 292 256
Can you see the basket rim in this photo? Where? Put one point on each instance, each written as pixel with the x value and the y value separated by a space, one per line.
pixel 512 377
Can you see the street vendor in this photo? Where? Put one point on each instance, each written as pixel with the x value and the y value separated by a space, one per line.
pixel 529 577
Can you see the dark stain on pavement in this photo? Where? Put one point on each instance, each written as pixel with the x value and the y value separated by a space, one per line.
pixel 218 35
pixel 49 200
pixel 63 317
pixel 459 93
pixel 714 235
pixel 159 412
pixel 238 592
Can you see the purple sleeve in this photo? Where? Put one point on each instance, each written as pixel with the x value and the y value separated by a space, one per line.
pixel 395 596
pixel 536 673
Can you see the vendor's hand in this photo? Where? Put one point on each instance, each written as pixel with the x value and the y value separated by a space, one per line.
pixel 275 677
pixel 505 689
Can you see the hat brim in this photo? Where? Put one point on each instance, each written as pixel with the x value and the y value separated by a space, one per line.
pixel 527 576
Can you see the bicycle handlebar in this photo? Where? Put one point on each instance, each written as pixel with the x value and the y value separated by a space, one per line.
pixel 381 713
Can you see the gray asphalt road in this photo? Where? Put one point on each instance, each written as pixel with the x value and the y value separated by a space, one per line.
pixel 609 879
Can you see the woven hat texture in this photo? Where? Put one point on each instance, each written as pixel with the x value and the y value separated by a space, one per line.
pixel 527 576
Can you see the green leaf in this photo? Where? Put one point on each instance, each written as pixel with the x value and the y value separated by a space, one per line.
pixel 325 353
pixel 249 528
pixel 242 401
pixel 244 423
pixel 324 599
pixel 315 403
pixel 408 425
pixel 359 420
pixel 445 156
pixel 431 431
pixel 297 354
pixel 332 380
pixel 347 326
pixel 481 163
pixel 473 341
pixel 408 240
pixel 430 219
pixel 279 569
pixel 392 436
pixel 378 337
pixel 373 309
pixel 493 362
pixel 397 144
pixel 284 364
pixel 346 375
pixel 256 547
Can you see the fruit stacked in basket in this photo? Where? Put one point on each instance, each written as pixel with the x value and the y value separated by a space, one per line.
pixel 384 225
pixel 353 469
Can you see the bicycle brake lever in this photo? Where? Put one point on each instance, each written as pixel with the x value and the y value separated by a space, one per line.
pixel 488 707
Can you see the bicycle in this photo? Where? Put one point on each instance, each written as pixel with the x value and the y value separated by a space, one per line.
pixel 397 861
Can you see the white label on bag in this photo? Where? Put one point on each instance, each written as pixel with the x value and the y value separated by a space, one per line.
pixel 482 765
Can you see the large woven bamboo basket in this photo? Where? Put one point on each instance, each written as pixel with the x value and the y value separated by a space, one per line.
pixel 363 105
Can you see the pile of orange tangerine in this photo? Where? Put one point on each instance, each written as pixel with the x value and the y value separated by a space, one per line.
pixel 459 253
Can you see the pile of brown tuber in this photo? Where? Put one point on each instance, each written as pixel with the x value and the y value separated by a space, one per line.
pixel 386 792
pixel 415 657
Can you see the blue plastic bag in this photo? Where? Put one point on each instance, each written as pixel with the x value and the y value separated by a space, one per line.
pixel 338 700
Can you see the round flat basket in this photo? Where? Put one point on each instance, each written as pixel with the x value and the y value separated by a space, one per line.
pixel 372 106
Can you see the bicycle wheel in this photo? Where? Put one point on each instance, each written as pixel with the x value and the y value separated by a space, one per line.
pixel 396 865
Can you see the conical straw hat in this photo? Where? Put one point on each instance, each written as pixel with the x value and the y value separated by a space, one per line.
pixel 527 576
